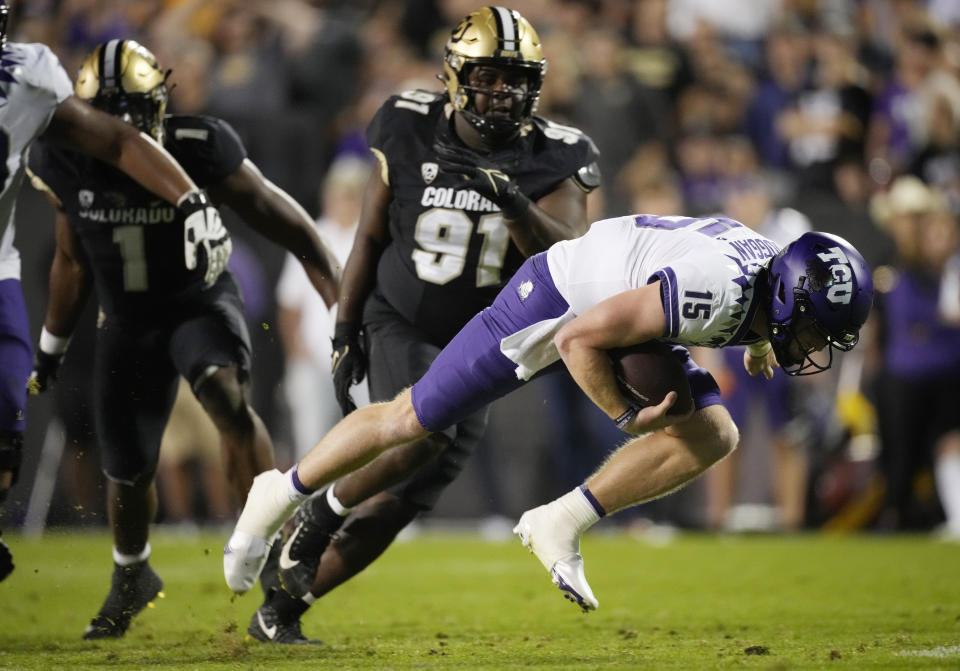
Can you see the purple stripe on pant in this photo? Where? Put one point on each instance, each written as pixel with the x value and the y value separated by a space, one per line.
pixel 471 371
pixel 16 357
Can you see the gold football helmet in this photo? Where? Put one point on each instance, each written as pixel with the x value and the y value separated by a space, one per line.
pixel 498 37
pixel 122 77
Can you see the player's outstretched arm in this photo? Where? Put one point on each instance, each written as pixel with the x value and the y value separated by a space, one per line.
pixel 274 214
pixel 80 127
pixel 349 362
pixel 560 215
pixel 533 227
pixel 70 286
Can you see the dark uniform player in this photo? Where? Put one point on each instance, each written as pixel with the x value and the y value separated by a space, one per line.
pixel 470 184
pixel 159 320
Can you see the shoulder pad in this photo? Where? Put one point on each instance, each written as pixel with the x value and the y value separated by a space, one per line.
pixel 588 177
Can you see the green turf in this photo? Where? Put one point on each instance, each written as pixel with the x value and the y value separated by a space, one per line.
pixel 441 601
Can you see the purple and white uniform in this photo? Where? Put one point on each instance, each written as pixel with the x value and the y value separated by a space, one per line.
pixel 32 85
pixel 707 268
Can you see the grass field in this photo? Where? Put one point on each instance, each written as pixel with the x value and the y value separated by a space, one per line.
pixel 452 601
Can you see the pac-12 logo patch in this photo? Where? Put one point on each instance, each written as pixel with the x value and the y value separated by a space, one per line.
pixel 429 171
pixel 86 198
pixel 525 289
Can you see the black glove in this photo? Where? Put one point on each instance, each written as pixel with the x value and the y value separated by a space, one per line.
pixel 483 176
pixel 6 560
pixel 45 367
pixel 348 363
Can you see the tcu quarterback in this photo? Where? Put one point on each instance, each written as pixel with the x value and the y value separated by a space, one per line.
pixel 709 282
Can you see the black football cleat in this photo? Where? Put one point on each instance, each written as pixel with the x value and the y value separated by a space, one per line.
pixel 132 588
pixel 270 575
pixel 301 552
pixel 265 626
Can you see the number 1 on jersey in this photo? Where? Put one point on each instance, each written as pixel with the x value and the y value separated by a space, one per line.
pixel 133 253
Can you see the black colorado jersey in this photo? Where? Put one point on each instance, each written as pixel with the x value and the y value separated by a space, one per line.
pixel 450 252
pixel 132 238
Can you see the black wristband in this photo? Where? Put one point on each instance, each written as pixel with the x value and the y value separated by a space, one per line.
pixel 627 416
pixel 345 332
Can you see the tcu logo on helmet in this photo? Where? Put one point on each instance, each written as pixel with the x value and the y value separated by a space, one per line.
pixel 840 286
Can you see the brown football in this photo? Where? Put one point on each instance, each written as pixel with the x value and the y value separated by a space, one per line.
pixel 646 372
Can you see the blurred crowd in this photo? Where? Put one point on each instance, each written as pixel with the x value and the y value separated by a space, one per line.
pixel 837 115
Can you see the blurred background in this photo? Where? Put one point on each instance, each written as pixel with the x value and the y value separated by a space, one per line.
pixel 838 115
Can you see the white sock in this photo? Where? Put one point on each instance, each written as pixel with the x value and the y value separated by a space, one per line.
pixel 129 560
pixel 309 598
pixel 293 492
pixel 335 504
pixel 581 511
pixel 947 471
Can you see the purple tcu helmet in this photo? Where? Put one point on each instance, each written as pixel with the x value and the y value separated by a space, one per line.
pixel 819 282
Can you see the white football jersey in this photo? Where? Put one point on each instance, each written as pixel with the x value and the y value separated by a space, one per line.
pixel 707 267
pixel 32 85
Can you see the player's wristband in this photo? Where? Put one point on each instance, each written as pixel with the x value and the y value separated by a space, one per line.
pixel 53 344
pixel 627 416
pixel 759 350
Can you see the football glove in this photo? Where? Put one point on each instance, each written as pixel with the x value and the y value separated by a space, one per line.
pixel 6 560
pixel 203 229
pixel 483 176
pixel 348 364
pixel 44 374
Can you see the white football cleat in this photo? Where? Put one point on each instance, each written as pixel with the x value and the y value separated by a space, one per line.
pixel 243 559
pixel 268 506
pixel 542 532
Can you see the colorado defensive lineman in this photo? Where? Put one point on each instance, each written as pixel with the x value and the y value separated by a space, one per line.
pixel 159 321
pixel 471 182
pixel 36 101
pixel 710 282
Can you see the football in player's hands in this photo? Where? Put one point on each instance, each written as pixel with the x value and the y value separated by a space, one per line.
pixel 648 371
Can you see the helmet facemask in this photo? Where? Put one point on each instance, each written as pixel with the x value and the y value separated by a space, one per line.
pixel 122 78
pixel 494 39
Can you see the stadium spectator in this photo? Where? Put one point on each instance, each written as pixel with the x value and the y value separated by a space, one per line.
pixel 160 321
pixel 469 183
pixel 920 336
pixel 38 102
pixel 306 323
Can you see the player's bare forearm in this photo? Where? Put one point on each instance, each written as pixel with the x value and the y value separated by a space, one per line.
pixel 70 281
pixel 274 214
pixel 560 215
pixel 69 288
pixel 78 126
pixel 359 273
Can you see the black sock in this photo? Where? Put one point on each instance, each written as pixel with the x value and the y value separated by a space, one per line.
pixel 288 607
pixel 324 515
